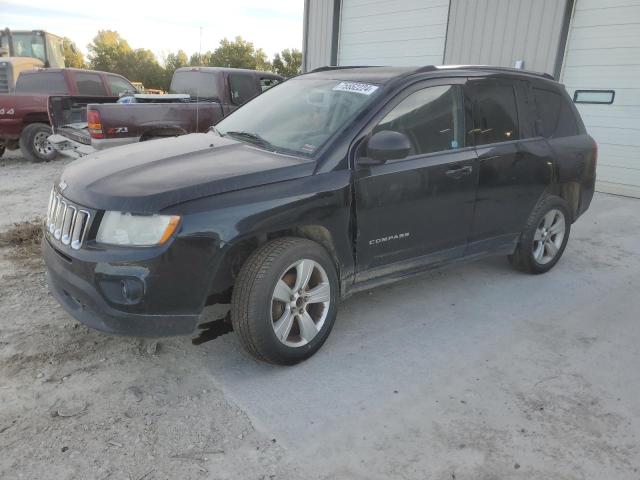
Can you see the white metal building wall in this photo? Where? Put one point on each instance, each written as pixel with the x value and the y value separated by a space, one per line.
pixel 392 32
pixel 500 32
pixel 318 33
pixel 603 53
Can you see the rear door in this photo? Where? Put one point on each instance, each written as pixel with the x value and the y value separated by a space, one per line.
pixel 417 210
pixel 514 164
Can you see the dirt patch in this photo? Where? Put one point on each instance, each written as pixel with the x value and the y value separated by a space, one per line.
pixel 24 238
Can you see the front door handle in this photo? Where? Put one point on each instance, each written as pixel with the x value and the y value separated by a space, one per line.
pixel 459 172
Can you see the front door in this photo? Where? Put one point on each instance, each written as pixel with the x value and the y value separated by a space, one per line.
pixel 417 210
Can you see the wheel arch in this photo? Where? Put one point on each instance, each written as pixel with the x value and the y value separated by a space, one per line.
pixel 35 117
pixel 162 132
pixel 237 253
pixel 570 193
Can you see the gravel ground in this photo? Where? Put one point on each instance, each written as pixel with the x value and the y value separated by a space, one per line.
pixel 77 404
pixel 473 372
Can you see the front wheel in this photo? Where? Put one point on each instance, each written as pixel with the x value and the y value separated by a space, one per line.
pixel 284 302
pixel 544 237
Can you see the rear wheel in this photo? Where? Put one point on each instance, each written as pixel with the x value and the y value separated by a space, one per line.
pixel 284 301
pixel 544 237
pixel 34 143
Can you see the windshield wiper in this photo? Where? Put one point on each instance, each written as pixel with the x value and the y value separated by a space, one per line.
pixel 253 138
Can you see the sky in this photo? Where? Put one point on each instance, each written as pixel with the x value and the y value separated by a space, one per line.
pixel 163 26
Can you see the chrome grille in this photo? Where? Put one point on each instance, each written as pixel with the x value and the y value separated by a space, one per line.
pixel 4 77
pixel 67 223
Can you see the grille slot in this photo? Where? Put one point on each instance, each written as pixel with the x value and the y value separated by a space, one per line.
pixel 67 223
pixel 4 78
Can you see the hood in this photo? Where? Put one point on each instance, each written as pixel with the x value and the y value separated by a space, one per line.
pixel 150 176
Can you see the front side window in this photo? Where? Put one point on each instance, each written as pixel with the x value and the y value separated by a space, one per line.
pixel 298 116
pixel 89 84
pixel 495 113
pixel 42 82
pixel 119 85
pixel 243 88
pixel 432 119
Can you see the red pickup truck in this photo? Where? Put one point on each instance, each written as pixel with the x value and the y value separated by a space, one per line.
pixel 24 118
pixel 199 98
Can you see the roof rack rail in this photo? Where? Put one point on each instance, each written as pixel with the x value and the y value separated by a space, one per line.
pixel 426 68
pixel 336 67
pixel 506 69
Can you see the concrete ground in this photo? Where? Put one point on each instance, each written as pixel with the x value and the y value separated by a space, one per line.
pixel 473 372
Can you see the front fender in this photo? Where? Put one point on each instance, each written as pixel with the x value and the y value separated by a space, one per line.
pixel 317 207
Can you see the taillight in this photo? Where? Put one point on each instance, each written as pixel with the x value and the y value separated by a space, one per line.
pixel 94 125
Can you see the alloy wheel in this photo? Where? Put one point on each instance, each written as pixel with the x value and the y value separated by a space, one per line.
pixel 300 303
pixel 549 236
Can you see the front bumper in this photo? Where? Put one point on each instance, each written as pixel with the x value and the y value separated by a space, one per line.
pixel 78 293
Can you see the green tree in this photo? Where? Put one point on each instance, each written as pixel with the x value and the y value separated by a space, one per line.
pixel 140 65
pixel 172 62
pixel 238 53
pixel 288 63
pixel 72 56
pixel 107 51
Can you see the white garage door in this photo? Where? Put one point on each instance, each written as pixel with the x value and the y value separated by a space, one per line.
pixel 392 32
pixel 603 53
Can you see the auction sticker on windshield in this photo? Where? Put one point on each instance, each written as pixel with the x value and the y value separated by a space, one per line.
pixel 356 87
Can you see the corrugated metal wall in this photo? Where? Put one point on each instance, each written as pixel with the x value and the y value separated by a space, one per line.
pixel 318 33
pixel 392 32
pixel 499 32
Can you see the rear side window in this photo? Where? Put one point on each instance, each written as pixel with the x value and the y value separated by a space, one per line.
pixel 432 119
pixel 119 85
pixel 555 115
pixel 495 113
pixel 89 84
pixel 42 82
pixel 243 88
pixel 266 83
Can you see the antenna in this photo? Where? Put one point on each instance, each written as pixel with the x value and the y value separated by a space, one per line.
pixel 198 87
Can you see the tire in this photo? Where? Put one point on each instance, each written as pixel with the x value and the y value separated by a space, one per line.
pixel 2 149
pixel 34 144
pixel 544 238
pixel 256 313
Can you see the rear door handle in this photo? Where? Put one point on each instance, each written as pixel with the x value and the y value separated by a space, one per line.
pixel 459 172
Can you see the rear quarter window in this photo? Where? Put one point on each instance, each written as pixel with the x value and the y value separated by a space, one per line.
pixel 90 84
pixel 42 82
pixel 243 88
pixel 555 114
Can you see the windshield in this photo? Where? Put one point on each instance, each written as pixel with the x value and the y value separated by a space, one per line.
pixel 299 115
pixel 195 83
pixel 26 44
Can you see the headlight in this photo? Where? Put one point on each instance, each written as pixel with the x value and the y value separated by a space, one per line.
pixel 119 228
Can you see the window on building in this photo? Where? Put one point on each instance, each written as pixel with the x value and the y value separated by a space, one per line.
pixel 119 85
pixel 555 115
pixel 432 119
pixel 243 88
pixel 89 84
pixel 495 113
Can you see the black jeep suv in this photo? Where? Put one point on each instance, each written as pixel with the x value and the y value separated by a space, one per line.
pixel 330 183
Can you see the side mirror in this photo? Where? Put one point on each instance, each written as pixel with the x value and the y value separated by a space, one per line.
pixel 388 145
